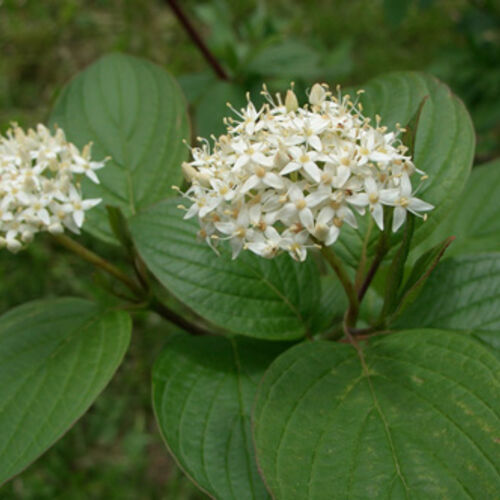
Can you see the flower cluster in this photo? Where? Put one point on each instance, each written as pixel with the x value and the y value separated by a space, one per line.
pixel 285 178
pixel 39 188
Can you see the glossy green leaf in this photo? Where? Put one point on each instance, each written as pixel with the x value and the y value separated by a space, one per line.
pixel 134 112
pixel 474 219
pixel 271 299
pixel 418 419
pixel 203 390
pixel 56 356
pixel 444 145
pixel 462 293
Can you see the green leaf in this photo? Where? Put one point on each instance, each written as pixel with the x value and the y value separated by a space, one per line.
pixel 475 216
pixel 250 295
pixel 56 356
pixel 409 136
pixel 444 146
pixel 119 226
pixel 212 108
pixel 418 419
pixel 396 269
pixel 288 58
pixel 133 111
pixel 462 293
pixel 332 306
pixel 203 390
pixel 194 85
pixel 420 273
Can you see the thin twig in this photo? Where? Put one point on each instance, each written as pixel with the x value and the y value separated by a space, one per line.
pixel 138 291
pixel 199 42
pixel 358 281
pixel 380 253
pixel 99 262
pixel 177 319
pixel 367 336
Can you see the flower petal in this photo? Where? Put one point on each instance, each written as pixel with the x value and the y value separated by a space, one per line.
pixel 398 218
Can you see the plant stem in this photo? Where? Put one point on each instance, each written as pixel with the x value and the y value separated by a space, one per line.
pixel 199 42
pixel 171 316
pixel 336 265
pixel 139 292
pixel 380 253
pixel 362 263
pixel 99 262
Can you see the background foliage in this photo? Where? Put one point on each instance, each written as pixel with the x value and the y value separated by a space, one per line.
pixel 115 451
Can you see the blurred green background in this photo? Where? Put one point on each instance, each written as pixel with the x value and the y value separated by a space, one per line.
pixel 115 451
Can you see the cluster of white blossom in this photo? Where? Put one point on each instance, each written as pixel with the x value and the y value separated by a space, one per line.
pixel 285 178
pixel 39 184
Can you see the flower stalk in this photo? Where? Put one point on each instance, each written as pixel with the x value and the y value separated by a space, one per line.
pixel 140 292
pixel 337 266
pixel 99 262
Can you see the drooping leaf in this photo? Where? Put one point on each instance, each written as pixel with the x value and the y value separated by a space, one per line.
pixel 134 112
pixel 203 390
pixel 271 299
pixel 418 419
pixel 56 356
pixel 462 293
pixel 474 219
pixel 444 146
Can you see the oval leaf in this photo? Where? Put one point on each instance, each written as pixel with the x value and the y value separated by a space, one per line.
pixel 56 356
pixel 444 145
pixel 134 112
pixel 250 295
pixel 203 390
pixel 418 420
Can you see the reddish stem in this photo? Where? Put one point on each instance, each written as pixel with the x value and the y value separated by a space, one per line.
pixel 199 42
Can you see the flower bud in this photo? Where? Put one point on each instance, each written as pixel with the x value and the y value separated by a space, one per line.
pixel 317 95
pixel 291 102
pixel 190 173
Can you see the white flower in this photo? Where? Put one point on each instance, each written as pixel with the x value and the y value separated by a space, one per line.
pixel 39 184
pixel 298 207
pixel 301 159
pixel 375 197
pixel 284 177
pixel 407 202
